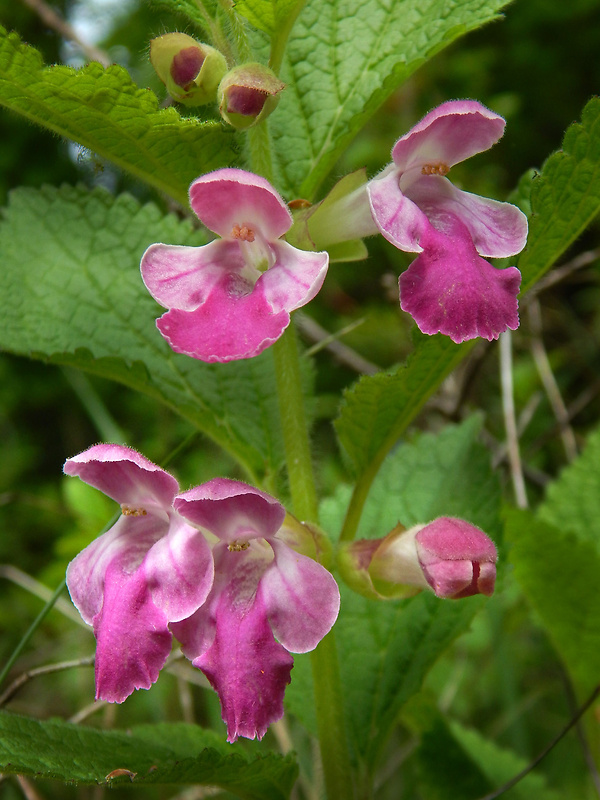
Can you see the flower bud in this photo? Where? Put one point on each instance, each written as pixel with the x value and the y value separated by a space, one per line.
pixel 190 70
pixel 449 556
pixel 248 94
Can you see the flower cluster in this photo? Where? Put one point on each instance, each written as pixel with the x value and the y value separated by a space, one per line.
pixel 218 566
pixel 233 297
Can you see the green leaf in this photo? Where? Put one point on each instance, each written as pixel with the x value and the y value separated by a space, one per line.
pixel 500 765
pixel 399 641
pixel 565 197
pixel 143 755
pixel 446 474
pixel 445 769
pixel 266 15
pixel 71 293
pixel 377 409
pixel 103 110
pixel 560 574
pixel 344 58
pixel 573 501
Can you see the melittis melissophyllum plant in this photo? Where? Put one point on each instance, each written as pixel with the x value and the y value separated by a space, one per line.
pixel 235 573
pixel 213 566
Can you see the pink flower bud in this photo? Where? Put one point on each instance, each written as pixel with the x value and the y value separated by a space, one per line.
pixel 458 559
pixel 449 556
pixel 190 70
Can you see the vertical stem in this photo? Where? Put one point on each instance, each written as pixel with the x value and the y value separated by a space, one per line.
pixel 325 667
pixel 295 428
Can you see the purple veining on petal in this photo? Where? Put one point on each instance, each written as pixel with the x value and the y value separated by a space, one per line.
pixel 450 289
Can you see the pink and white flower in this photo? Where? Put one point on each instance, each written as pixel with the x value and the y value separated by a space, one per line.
pixel 450 287
pixel 151 568
pixel 449 556
pixel 233 297
pixel 267 599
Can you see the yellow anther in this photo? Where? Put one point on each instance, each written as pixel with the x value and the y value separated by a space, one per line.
pixel 435 169
pixel 242 232
pixel 237 547
pixel 128 511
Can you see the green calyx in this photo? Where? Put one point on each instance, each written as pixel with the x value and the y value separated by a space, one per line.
pixel 248 94
pixel 190 70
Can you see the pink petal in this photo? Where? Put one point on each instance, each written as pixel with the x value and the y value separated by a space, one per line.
pixel 229 197
pixel 183 277
pixel 133 640
pixel 228 326
pixel 450 289
pixel 498 230
pixel 179 571
pixel 295 278
pixel 301 597
pixel 458 559
pixel 449 538
pixel 246 666
pixel 399 219
pixel 231 509
pixel 448 135
pixel 127 543
pixel 124 475
pixel 230 640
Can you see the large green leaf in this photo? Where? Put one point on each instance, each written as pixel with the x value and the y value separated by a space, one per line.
pixel 377 409
pixel 266 15
pixel 455 761
pixel 71 293
pixel 344 58
pixel 565 197
pixel 147 754
pixel 560 574
pixel 106 112
pixel 399 641
pixel 573 501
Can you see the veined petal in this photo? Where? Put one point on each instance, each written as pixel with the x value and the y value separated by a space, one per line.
pixel 230 196
pixel 399 219
pixel 450 289
pixel 231 509
pixel 124 475
pixel 133 640
pixel 448 135
pixel 230 640
pixel 179 571
pixel 246 666
pixel 301 598
pixel 236 321
pixel 498 230
pixel 295 278
pixel 126 543
pixel 183 277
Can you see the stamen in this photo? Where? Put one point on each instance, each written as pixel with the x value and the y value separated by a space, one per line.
pixel 243 232
pixel 128 511
pixel 237 547
pixel 435 169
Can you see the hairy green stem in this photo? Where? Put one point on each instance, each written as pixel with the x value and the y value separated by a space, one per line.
pixel 259 145
pixel 324 660
pixel 295 427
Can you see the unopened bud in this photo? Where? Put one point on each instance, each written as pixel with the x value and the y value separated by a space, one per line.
pixel 190 70
pixel 248 94
pixel 450 556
